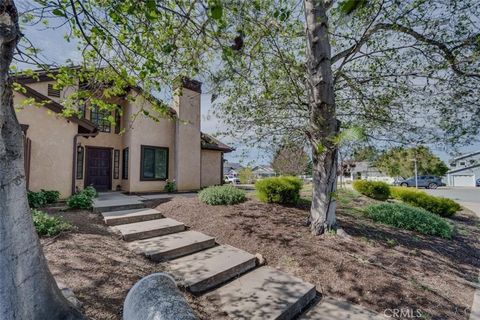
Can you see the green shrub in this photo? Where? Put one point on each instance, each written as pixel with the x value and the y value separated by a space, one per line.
pixel 36 199
pixel 42 198
pixel 81 200
pixel 372 189
pixel 47 225
pixel 170 186
pixel 410 218
pixel 279 189
pixel 442 206
pixel 51 196
pixel 90 191
pixel 221 195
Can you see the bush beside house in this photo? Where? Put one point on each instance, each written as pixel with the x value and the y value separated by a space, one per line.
pixel 372 189
pixel 410 218
pixel 285 190
pixel 82 199
pixel 42 198
pixel 221 195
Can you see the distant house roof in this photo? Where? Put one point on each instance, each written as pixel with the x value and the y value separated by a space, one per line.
pixel 463 169
pixel 263 169
pixel 467 155
pixel 210 143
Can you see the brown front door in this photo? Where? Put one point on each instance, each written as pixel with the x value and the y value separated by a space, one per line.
pixel 99 168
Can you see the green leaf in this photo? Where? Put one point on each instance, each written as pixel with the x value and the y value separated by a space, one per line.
pixel 348 6
pixel 58 12
pixel 216 9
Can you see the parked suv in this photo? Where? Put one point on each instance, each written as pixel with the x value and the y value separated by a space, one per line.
pixel 429 182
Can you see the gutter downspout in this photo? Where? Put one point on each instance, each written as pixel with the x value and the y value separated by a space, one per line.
pixel 74 163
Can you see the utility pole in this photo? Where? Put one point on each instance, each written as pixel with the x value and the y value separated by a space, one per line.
pixel 416 172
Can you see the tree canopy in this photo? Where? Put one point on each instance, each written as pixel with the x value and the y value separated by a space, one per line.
pixel 399 162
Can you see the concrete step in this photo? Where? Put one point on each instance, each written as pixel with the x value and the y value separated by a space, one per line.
pixel 114 218
pixel 328 308
pixel 173 245
pixel 117 205
pixel 264 293
pixel 206 269
pixel 148 229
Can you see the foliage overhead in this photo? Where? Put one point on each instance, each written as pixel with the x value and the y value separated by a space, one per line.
pixel 404 70
pixel 398 162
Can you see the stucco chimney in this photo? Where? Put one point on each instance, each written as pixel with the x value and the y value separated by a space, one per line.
pixel 186 103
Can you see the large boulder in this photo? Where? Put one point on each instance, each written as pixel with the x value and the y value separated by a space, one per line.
pixel 156 297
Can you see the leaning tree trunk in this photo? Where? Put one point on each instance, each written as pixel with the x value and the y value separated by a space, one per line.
pixel 27 288
pixel 323 125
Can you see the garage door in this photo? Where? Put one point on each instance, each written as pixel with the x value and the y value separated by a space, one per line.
pixel 464 180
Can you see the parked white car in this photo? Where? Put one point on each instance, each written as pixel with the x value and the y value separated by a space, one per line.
pixel 232 180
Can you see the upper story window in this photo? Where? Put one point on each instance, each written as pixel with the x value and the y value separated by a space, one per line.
pixel 101 119
pixel 52 92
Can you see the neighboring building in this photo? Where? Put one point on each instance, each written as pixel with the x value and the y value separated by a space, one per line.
pixel 231 169
pixel 67 154
pixel 263 171
pixel 364 170
pixel 464 170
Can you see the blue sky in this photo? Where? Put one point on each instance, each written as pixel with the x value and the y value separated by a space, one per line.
pixel 56 49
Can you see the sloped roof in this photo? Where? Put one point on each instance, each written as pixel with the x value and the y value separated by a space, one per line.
pixel 85 126
pixel 264 169
pixel 463 169
pixel 463 156
pixel 210 143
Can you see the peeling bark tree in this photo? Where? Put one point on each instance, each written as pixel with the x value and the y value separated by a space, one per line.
pixel 323 125
pixel 27 288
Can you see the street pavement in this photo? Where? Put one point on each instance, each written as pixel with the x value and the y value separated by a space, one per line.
pixel 461 194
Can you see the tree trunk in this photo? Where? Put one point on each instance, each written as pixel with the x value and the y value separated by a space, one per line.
pixel 27 288
pixel 323 125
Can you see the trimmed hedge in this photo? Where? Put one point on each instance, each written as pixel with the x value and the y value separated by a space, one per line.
pixel 442 206
pixel 221 195
pixel 285 190
pixel 373 189
pixel 47 225
pixel 410 218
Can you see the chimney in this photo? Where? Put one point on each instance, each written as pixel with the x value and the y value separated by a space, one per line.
pixel 187 134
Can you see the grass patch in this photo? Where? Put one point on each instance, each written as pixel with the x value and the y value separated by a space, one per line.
pixel 410 218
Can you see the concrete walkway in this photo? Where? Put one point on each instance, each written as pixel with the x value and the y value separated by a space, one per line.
pixel 234 280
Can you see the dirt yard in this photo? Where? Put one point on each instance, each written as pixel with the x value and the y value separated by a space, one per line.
pixel 379 267
pixel 100 269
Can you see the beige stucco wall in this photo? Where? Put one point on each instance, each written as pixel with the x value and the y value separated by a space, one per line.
pixel 211 167
pixel 142 130
pixel 52 147
pixel 187 135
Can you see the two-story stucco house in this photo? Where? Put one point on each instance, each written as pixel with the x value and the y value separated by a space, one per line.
pixel 67 154
pixel 464 170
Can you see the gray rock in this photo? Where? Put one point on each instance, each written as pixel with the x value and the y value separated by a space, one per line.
pixel 156 297
pixel 69 295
